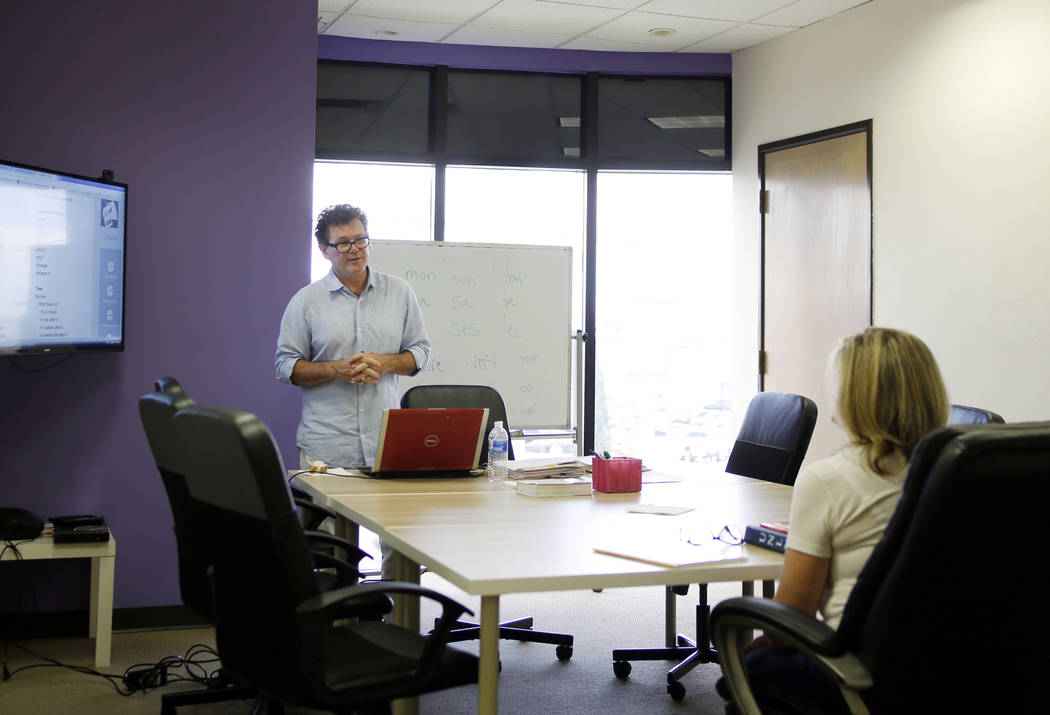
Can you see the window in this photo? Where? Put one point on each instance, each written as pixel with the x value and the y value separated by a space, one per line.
pixel 398 200
pixel 663 331
pixel 527 115
pixel 524 206
pixel 507 157
pixel 657 120
pixel 369 109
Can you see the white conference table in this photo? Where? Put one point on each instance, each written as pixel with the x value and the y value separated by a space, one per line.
pixel 489 541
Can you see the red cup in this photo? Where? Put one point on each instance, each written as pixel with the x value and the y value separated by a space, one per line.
pixel 619 474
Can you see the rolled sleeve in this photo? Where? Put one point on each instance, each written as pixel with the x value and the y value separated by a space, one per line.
pixel 293 342
pixel 415 338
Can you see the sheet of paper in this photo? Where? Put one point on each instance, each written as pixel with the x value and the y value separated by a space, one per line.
pixel 658 509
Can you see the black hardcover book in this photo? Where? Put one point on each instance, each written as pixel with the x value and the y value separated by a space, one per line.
pixel 766 538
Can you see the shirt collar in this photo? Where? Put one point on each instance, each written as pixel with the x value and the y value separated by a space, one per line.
pixel 333 284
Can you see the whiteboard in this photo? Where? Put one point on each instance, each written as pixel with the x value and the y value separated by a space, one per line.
pixel 497 315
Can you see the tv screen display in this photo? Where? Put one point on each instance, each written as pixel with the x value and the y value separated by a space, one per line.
pixel 62 245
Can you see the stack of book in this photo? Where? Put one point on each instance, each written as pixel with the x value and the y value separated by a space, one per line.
pixel 542 469
pixel 554 487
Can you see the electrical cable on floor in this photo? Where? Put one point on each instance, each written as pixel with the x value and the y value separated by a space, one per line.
pixel 137 678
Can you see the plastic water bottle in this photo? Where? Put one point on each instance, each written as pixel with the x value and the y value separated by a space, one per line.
pixel 498 442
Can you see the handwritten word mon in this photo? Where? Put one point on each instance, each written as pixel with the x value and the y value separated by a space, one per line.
pixel 412 275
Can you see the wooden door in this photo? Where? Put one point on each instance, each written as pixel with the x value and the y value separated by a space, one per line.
pixel 816 263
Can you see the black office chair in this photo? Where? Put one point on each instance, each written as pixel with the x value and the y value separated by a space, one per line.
pixel 916 635
pixel 963 415
pixel 455 396
pixel 156 411
pixel 272 625
pixel 770 446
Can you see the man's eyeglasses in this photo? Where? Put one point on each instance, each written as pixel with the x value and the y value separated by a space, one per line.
pixel 345 246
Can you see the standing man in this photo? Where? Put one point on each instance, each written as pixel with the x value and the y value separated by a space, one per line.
pixel 344 339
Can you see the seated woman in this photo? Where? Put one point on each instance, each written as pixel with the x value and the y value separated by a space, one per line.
pixel 890 393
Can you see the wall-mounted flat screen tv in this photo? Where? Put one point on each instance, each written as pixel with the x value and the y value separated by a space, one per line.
pixel 62 245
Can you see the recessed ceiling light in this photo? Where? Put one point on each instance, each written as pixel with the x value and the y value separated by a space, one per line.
pixel 712 121
pixel 387 33
pixel 568 121
pixel 662 31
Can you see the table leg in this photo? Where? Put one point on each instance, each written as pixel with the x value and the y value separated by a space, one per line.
pixel 346 529
pixel 100 612
pixel 488 665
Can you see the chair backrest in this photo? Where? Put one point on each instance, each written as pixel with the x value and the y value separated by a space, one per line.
pixel 774 437
pixel 958 582
pixel 156 412
pixel 963 415
pixel 463 396
pixel 261 567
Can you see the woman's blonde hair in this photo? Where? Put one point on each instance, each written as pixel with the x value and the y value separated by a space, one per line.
pixel 890 392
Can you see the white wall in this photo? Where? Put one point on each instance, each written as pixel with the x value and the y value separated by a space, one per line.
pixel 959 93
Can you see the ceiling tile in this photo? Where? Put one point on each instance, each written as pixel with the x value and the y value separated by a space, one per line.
pixel 335 6
pixel 591 43
pixel 557 18
pixel 806 12
pixel 458 11
pixel 615 4
pixel 634 27
pixel 735 10
pixel 349 25
pixel 470 35
pixel 324 19
pixel 739 37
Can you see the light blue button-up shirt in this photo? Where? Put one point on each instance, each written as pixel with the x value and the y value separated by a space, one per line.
pixel 324 321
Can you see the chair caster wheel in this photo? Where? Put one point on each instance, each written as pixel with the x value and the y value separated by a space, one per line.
pixel 621 669
pixel 676 690
pixel 564 652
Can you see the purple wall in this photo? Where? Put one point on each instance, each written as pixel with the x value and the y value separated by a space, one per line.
pixel 205 108
pixel 206 111
pixel 518 58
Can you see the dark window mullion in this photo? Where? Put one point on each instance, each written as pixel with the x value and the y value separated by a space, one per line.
pixel 439 144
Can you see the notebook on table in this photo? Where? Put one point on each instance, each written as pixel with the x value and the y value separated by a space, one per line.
pixel 443 442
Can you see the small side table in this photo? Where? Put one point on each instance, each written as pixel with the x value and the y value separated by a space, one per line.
pixel 103 557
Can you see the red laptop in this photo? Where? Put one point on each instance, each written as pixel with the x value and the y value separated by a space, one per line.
pixel 443 442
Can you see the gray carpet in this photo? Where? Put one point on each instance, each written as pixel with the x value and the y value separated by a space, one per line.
pixel 532 680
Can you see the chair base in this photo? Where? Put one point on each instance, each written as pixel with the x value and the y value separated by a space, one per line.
pixel 170 701
pixel 687 652
pixel 517 630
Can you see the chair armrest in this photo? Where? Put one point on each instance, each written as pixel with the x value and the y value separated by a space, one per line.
pixel 451 610
pixel 353 553
pixel 315 513
pixel 789 623
pixel 345 573
pixel 733 620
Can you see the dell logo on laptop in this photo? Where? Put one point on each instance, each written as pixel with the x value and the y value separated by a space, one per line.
pixel 431 440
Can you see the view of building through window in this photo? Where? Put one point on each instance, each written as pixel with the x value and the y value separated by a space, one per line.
pixel 663 328
pixel 663 252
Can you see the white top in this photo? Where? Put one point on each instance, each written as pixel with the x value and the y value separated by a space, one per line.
pixel 839 510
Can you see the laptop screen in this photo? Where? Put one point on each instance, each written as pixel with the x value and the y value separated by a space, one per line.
pixel 431 440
